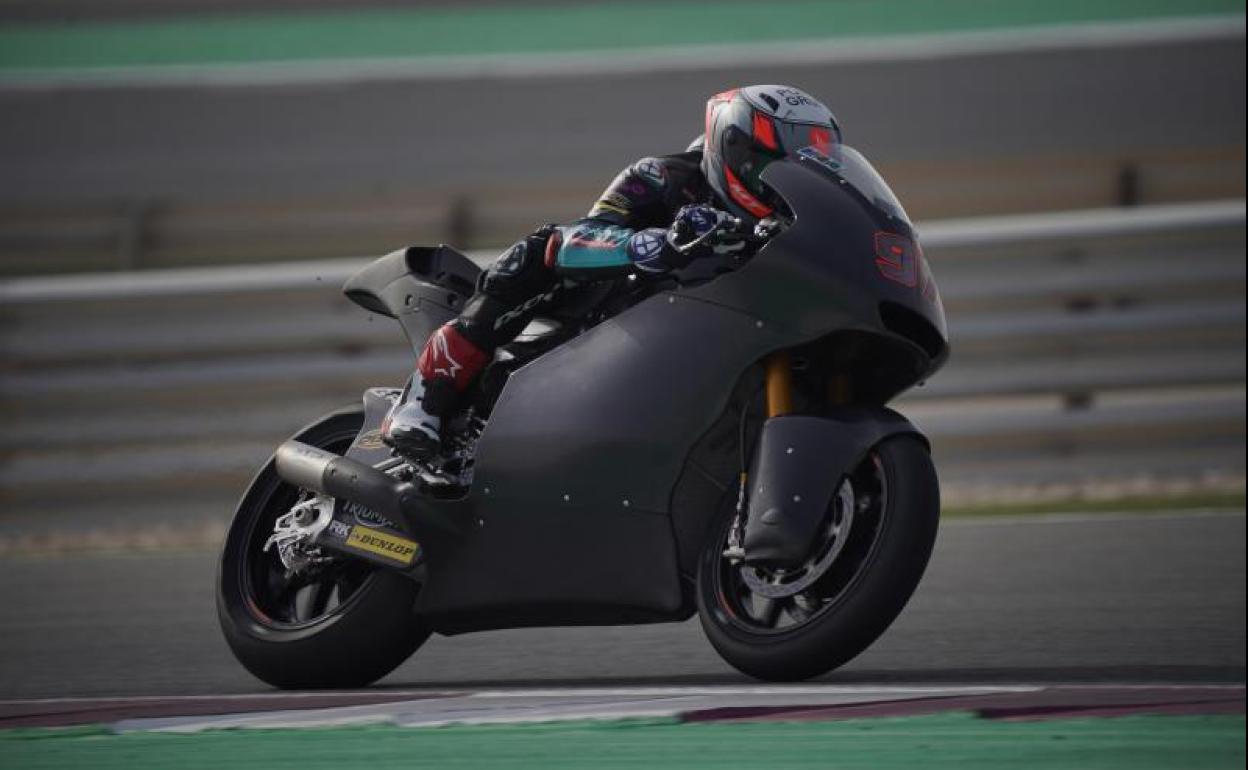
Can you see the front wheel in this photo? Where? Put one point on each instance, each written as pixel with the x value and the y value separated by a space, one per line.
pixel 337 623
pixel 876 539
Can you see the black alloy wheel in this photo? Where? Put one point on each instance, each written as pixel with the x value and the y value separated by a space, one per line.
pixel 874 543
pixel 337 623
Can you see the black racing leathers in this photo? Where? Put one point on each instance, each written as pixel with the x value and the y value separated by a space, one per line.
pixel 616 236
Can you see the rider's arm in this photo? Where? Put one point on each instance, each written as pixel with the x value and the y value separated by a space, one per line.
pixel 591 249
pixel 625 229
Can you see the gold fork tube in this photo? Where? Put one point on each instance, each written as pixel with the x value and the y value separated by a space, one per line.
pixel 779 384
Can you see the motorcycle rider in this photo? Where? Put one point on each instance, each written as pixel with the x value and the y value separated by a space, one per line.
pixel 637 224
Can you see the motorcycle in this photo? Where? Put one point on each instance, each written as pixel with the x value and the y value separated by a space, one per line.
pixel 712 442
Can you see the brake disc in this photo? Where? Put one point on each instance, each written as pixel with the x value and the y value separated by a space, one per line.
pixel 780 583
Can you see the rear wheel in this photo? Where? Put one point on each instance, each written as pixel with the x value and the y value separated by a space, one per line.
pixel 337 623
pixel 876 539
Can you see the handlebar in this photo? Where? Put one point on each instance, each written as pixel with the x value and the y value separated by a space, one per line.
pixel 727 227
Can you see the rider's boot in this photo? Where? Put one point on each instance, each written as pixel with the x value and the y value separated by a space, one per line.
pixel 409 428
pixel 447 366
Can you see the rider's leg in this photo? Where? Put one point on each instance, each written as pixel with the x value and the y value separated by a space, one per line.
pixel 509 294
pixel 447 365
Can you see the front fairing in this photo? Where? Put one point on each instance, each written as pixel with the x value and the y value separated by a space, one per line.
pixel 850 260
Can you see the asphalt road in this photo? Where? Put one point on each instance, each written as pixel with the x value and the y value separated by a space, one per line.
pixel 1149 598
pixel 475 133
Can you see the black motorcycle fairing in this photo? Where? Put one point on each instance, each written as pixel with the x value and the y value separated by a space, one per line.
pixel 575 470
pixel 797 468
pixel 608 418
pixel 499 565
pixel 572 516
pixel 708 485
pixel 421 286
pixel 834 268
pixel 560 563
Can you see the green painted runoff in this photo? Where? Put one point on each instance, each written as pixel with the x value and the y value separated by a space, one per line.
pixel 536 29
pixel 951 740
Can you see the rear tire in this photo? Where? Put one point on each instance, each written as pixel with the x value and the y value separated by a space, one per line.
pixel 860 595
pixel 366 634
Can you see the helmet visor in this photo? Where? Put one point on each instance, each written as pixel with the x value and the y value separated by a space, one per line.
pixel 771 139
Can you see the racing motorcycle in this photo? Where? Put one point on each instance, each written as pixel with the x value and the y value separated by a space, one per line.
pixel 713 441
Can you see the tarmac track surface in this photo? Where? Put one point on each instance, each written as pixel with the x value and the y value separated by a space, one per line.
pixel 1103 598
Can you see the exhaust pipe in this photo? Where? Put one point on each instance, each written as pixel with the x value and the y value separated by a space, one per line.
pixel 341 477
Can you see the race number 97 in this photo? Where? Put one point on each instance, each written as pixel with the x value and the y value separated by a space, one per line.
pixel 897 257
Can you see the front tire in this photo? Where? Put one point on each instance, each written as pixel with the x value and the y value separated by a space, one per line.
pixel 346 625
pixel 849 605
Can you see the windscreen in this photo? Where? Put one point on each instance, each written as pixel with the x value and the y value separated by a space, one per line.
pixel 847 165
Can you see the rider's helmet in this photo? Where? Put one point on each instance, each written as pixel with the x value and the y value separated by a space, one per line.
pixel 748 128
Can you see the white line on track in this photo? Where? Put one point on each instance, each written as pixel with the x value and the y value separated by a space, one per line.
pixel 241 697
pixel 1075 517
pixel 571 692
pixel 911 47
pixel 546 705
pixel 600 692
pixel 1141 686
pixel 522 706
pixel 729 690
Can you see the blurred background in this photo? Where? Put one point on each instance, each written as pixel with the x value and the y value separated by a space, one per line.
pixel 184 185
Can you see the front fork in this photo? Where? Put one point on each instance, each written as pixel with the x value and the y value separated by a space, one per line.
pixel 779 367
pixel 779 387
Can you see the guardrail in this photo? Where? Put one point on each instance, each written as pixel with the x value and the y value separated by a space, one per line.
pixel 1088 345
pixel 70 235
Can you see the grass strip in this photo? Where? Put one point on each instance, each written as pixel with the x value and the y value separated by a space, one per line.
pixel 536 29
pixel 952 740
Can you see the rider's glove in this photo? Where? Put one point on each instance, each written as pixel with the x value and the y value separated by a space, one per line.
pixel 694 221
pixel 656 250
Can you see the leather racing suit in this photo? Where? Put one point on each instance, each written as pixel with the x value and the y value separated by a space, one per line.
pixel 624 231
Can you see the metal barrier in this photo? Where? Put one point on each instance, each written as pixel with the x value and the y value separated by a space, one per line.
pixel 64 236
pixel 1089 345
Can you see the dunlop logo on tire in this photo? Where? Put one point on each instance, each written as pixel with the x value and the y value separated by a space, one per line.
pixel 387 546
